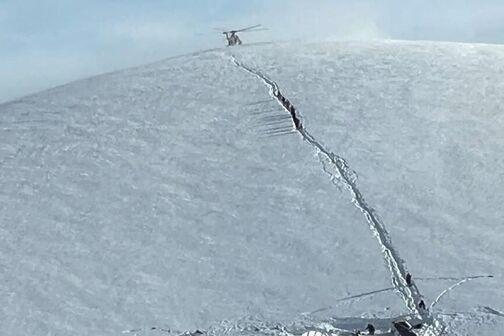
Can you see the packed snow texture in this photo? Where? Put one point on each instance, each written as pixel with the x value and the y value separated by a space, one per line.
pixel 156 196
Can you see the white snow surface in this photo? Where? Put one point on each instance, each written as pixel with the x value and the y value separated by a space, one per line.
pixel 153 197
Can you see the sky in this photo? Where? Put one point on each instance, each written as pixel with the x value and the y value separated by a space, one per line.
pixel 45 43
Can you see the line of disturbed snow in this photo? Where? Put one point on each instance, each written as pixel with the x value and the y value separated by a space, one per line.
pixel 342 174
pixel 460 283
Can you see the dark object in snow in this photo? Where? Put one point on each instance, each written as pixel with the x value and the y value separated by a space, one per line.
pixel 295 119
pixel 297 122
pixel 421 304
pixel 408 279
pixel 197 332
pixel 371 329
pixel 404 328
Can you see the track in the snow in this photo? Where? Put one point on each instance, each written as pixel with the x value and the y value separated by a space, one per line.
pixel 341 174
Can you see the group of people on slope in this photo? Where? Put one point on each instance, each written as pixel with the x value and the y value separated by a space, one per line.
pixel 402 327
pixel 289 107
pixel 421 303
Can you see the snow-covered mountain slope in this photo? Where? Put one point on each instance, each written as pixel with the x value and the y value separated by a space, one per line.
pixel 156 196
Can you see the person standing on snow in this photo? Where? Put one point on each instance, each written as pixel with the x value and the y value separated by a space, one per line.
pixel 408 279
pixel 371 329
pixel 294 117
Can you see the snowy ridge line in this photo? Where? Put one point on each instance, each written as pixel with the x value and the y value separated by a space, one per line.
pixel 344 175
pixel 273 87
pixel 460 283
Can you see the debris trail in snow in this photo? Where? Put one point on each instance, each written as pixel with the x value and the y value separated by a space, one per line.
pixel 451 278
pixel 383 290
pixel 490 310
pixel 140 330
pixel 460 283
pixel 349 298
pixel 342 175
